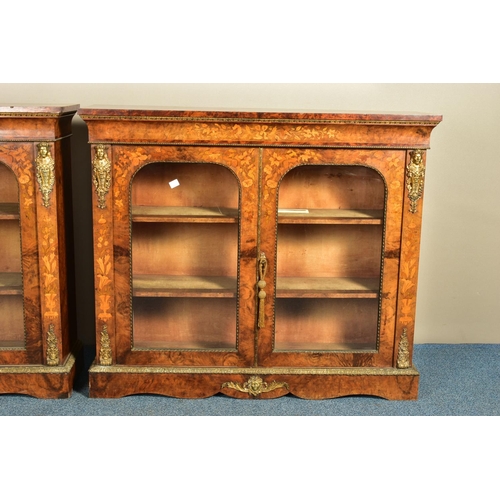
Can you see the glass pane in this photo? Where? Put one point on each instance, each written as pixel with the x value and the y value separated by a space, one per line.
pixel 11 283
pixel 330 229
pixel 184 257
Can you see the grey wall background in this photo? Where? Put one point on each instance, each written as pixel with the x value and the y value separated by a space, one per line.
pixel 459 279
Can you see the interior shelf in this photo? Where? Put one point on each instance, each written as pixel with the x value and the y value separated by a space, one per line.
pixel 225 286
pixel 11 284
pixel 141 213
pixel 322 347
pixel 200 345
pixel 310 287
pixel 328 216
pixel 9 211
pixel 147 285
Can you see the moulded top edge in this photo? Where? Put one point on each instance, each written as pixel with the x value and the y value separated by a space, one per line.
pixel 37 109
pixel 158 113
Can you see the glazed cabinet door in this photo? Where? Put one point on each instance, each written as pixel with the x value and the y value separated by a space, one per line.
pixel 330 231
pixel 20 321
pixel 175 249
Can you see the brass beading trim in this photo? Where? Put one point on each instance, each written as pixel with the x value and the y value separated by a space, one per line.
pixel 38 139
pixel 247 144
pixel 304 121
pixel 42 369
pixel 262 371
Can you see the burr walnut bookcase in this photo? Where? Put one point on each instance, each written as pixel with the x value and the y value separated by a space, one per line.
pixel 37 331
pixel 256 254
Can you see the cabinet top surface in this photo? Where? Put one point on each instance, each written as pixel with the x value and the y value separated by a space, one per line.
pixel 118 113
pixel 37 109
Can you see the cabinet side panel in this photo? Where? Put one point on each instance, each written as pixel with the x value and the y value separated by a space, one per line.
pixel 103 176
pixel 408 278
pixel 51 241
pixel 66 248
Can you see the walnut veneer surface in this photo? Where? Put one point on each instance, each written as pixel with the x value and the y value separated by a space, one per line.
pixel 37 329
pixel 256 254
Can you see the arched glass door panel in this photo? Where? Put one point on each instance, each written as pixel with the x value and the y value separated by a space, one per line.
pixel 185 238
pixel 329 258
pixel 12 334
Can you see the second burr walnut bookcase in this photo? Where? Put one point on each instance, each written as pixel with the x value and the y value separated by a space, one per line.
pixel 37 310
pixel 256 254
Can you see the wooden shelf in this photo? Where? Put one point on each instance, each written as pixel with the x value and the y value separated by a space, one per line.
pixel 9 211
pixel 11 284
pixel 12 344
pixel 147 285
pixel 225 287
pixel 320 216
pixel 338 288
pixel 201 345
pixel 322 346
pixel 184 214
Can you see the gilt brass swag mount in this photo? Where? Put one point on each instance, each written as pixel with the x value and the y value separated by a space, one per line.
pixel 45 172
pixel 52 350
pixel 255 386
pixel 101 174
pixel 415 173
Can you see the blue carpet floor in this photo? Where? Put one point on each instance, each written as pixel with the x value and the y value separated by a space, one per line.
pixel 461 380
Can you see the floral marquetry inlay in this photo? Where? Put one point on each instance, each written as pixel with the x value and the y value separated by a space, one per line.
pixel 103 271
pixel 49 269
pixel 18 157
pixel 259 132
pixel 409 274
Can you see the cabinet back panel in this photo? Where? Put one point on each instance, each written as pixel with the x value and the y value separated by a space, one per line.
pixel 10 246
pixel 200 185
pixel 11 321
pixel 326 324
pixel 9 192
pixel 179 323
pixel 185 249
pixel 329 250
pixel 332 187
